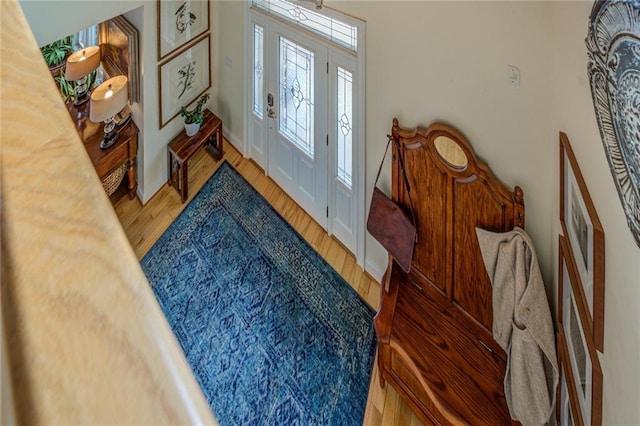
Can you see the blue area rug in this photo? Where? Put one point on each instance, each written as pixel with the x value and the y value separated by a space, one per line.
pixel 273 334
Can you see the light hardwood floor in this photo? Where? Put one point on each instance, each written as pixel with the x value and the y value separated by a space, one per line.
pixel 144 225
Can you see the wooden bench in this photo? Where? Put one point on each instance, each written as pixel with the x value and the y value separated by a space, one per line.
pixel 182 147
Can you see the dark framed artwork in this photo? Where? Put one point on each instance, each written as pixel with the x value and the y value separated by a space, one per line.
pixel 180 22
pixel 119 51
pixel 613 46
pixel 585 239
pixel 183 78
pixel 581 362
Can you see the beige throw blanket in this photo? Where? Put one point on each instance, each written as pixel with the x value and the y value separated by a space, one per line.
pixel 522 324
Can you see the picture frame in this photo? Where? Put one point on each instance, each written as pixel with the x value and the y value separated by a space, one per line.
pixel 119 53
pixel 180 22
pixel 581 358
pixel 585 236
pixel 567 407
pixel 184 78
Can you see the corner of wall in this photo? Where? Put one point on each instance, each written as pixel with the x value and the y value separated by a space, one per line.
pixel 149 191
pixel 237 143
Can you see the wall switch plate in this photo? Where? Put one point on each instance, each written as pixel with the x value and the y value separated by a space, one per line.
pixel 513 75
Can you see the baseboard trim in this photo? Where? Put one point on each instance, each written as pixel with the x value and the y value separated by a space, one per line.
pixel 233 140
pixel 374 270
pixel 148 194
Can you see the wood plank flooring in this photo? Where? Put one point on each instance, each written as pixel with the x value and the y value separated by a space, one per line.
pixel 145 224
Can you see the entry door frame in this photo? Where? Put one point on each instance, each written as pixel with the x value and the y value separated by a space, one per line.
pixel 359 169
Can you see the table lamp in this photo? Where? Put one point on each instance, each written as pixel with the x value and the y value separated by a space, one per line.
pixel 79 65
pixel 107 100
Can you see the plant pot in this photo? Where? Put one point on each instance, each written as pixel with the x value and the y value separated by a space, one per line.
pixel 192 128
pixel 58 70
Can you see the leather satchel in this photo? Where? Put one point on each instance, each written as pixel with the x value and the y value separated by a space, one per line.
pixel 389 224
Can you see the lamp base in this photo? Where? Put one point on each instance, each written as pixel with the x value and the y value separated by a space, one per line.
pixel 82 98
pixel 108 140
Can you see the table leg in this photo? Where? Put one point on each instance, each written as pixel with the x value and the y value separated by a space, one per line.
pixel 184 190
pixel 131 175
pixel 220 141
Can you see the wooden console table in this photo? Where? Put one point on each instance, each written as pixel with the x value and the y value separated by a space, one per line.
pixel 182 147
pixel 106 161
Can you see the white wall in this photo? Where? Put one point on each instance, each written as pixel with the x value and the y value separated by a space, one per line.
pixel 51 20
pixel 574 114
pixel 231 69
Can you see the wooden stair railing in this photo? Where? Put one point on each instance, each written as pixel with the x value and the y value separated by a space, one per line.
pixel 86 341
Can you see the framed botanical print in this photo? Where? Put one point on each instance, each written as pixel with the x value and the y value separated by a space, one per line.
pixel 119 52
pixel 180 22
pixel 585 237
pixel 581 358
pixel 183 78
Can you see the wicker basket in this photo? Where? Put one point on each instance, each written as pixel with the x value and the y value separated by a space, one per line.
pixel 113 181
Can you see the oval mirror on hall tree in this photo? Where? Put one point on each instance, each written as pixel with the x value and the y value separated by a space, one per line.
pixel 450 152
pixel 613 44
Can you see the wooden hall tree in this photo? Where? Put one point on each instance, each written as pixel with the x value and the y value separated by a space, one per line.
pixel 434 324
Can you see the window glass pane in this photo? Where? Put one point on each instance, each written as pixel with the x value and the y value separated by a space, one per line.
pixel 296 95
pixel 258 55
pixel 344 131
pixel 331 29
pixel 85 38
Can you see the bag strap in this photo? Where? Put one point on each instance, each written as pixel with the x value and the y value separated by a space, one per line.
pixel 382 162
pixel 404 174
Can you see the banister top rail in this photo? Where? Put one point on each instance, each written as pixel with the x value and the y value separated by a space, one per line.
pixel 86 341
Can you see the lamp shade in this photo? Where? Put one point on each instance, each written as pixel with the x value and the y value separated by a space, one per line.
pixel 108 99
pixel 82 62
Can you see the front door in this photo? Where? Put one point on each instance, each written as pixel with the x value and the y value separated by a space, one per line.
pixel 305 115
pixel 296 109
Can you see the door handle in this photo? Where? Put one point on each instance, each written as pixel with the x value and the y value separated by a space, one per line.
pixel 271 113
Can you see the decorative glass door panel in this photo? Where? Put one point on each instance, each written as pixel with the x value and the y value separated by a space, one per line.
pixel 257 121
pixel 344 164
pixel 258 60
pixel 296 95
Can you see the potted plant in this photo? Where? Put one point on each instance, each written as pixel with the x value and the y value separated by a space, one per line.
pixel 194 118
pixel 55 55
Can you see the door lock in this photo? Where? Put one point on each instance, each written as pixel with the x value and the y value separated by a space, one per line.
pixel 270 99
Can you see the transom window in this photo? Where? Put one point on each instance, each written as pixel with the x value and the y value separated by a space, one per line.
pixel 334 30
